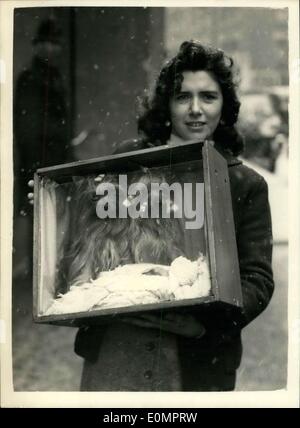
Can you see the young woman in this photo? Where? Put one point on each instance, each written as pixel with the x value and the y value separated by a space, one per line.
pixel 194 99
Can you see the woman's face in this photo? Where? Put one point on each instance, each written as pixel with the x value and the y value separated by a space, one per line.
pixel 196 109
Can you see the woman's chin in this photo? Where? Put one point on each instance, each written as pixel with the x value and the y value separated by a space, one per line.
pixel 197 136
pixel 189 137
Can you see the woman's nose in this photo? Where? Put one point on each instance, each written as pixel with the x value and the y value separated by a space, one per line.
pixel 195 106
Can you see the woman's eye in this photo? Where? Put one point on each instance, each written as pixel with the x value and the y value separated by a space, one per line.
pixel 209 97
pixel 182 97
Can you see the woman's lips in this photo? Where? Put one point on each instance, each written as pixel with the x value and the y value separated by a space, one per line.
pixel 195 125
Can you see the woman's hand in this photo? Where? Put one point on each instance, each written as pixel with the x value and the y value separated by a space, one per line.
pixel 30 195
pixel 182 324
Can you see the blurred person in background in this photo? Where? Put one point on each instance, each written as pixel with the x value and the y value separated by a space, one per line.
pixel 264 127
pixel 41 129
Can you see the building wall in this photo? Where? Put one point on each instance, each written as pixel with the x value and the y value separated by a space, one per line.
pixel 117 51
pixel 256 37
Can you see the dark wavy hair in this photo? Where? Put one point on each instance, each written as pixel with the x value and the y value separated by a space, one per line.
pixel 154 121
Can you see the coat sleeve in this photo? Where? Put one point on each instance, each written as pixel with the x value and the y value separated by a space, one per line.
pixel 254 243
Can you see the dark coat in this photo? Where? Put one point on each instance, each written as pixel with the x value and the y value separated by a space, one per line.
pixel 41 125
pixel 205 364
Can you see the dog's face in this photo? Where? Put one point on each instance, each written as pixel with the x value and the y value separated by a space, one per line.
pixel 112 242
pixel 141 240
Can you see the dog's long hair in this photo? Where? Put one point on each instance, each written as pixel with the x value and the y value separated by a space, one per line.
pixel 103 244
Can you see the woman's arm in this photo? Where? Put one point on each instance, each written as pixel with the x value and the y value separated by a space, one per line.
pixel 173 322
pixel 254 242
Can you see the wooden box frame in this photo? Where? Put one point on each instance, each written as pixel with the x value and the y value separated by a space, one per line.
pixel 222 249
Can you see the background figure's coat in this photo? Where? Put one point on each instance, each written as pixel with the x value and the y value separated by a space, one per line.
pixel 41 123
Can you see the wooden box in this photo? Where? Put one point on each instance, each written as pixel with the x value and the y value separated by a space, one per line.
pixel 69 236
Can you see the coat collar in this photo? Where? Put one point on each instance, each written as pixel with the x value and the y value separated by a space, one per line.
pixel 231 160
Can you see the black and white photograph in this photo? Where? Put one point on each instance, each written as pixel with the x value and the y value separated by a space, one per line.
pixel 149 161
